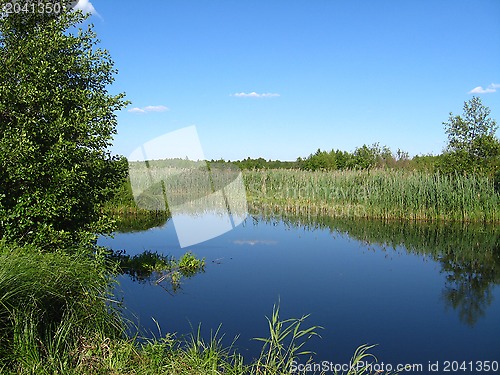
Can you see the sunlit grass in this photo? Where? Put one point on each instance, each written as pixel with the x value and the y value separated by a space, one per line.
pixel 384 194
pixel 48 303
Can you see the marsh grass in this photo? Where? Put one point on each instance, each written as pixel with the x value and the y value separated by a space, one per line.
pixel 380 193
pixel 48 302
pixel 362 362
pixel 383 194
pixel 284 344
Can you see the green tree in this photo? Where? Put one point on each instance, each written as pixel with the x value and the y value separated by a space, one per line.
pixel 342 159
pixel 472 144
pixel 57 120
pixel 321 160
pixel 365 157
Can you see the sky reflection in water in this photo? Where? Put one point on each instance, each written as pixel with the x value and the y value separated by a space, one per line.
pixel 422 292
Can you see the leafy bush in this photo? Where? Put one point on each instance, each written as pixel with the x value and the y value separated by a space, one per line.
pixel 57 121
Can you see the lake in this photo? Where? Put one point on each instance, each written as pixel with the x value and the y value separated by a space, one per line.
pixel 425 293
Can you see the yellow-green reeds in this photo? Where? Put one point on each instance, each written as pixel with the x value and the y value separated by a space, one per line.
pixel 388 194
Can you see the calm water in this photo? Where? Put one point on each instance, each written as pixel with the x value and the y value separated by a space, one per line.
pixel 421 292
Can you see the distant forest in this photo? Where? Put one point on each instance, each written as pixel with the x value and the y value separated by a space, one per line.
pixel 364 157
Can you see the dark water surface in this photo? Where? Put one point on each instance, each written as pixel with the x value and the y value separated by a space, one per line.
pixel 422 292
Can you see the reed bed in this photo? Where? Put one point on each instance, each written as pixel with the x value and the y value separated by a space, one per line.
pixel 384 194
pixel 381 194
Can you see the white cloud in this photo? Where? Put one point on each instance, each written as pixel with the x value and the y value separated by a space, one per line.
pixel 136 110
pixel 488 90
pixel 155 108
pixel 255 95
pixel 255 242
pixel 86 7
pixel 149 108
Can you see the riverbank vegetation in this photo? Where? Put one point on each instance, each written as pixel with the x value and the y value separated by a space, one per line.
pixel 58 316
pixel 378 194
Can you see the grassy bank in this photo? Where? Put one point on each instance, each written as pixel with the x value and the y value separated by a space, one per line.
pixel 57 316
pixel 51 304
pixel 384 194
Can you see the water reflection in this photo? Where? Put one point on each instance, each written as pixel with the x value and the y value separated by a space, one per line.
pixel 468 287
pixel 468 254
pixel 141 220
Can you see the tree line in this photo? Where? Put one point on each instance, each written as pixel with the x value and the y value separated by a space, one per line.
pixel 473 148
pixel 364 157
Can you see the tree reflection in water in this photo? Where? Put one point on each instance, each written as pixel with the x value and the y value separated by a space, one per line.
pixel 468 253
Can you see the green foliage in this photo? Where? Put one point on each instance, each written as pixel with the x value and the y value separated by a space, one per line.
pixel 261 163
pixel 425 163
pixel 284 345
pixel 209 357
pixel 321 160
pixel 129 219
pixel 472 144
pixel 362 362
pixel 141 266
pixel 496 181
pixel 189 265
pixel 385 194
pixel 364 157
pixel 57 120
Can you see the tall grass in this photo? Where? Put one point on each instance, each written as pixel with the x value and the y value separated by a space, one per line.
pixel 48 303
pixel 384 194
pixel 387 194
pixel 55 319
pixel 284 345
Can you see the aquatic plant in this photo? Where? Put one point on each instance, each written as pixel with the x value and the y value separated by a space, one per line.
pixel 154 267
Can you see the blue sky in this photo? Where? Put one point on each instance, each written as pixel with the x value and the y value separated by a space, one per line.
pixel 279 79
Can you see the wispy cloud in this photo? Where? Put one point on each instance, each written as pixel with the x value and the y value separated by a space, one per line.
pixel 255 95
pixel 488 90
pixel 255 242
pixel 149 108
pixel 86 7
